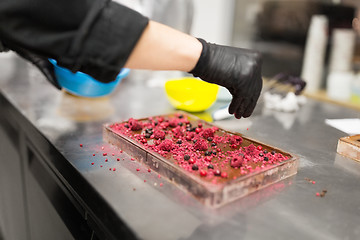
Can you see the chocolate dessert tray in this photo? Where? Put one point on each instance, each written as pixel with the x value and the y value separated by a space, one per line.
pixel 214 165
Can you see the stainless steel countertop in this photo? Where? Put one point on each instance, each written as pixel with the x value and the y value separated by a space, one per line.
pixel 286 210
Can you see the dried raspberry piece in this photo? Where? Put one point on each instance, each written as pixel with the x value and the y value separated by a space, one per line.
pixel 237 161
pixel 201 145
pixel 209 132
pixel 173 122
pixel 235 140
pixel 166 145
pixel 158 134
pixel 134 125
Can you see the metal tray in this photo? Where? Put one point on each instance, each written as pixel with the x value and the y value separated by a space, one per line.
pixel 209 193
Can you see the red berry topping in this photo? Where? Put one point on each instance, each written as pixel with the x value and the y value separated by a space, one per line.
pixel 191 161
pixel 209 132
pixel 159 134
pixel 134 125
pixel 203 173
pixel 224 175
pixel 201 145
pixel 166 145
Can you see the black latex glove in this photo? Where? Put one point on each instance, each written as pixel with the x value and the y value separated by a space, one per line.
pixel 41 63
pixel 237 69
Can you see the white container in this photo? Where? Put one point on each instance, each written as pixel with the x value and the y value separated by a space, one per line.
pixel 339 85
pixel 342 50
pixel 314 57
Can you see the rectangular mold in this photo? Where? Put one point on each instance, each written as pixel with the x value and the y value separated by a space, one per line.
pixel 210 194
pixel 350 147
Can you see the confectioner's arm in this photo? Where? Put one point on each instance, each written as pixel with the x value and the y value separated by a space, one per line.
pixel 163 48
pixel 93 36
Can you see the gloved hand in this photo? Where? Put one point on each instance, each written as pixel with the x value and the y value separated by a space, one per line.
pixel 237 69
pixel 41 63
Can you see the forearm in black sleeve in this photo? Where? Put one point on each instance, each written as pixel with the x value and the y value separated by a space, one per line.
pixel 93 36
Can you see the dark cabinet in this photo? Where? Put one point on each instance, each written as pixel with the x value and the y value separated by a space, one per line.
pixel 12 194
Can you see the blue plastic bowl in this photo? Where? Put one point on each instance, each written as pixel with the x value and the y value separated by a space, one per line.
pixel 82 84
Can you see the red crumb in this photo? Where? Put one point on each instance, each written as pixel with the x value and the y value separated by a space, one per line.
pixel 118 159
pixel 104 154
pixel 138 169
pixel 114 169
pixel 149 170
pixel 92 163
pixel 94 154
pixel 81 145
pixel 106 160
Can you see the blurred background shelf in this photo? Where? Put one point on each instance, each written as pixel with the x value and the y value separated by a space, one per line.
pixel 322 96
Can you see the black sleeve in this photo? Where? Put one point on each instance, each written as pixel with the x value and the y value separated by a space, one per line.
pixel 92 36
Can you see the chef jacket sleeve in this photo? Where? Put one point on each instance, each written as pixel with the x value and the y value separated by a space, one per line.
pixel 92 36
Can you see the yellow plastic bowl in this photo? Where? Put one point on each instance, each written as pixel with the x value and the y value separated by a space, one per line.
pixel 191 94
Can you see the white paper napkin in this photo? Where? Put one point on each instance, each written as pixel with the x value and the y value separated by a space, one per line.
pixel 350 126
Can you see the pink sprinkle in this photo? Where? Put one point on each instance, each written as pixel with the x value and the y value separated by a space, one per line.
pixel 81 145
pixel 102 148
pixel 100 165
pixel 247 129
pixel 121 151
pixel 106 160
pixel 161 184
pixel 144 180
pixel 110 169
pixel 92 163
pixel 318 194
pixel 159 176
pixel 118 159
pixel 113 154
pixel 149 170
pixel 132 159
pixel 114 169
pixel 104 154
pixel 138 169
pixel 94 154
pixel 313 182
